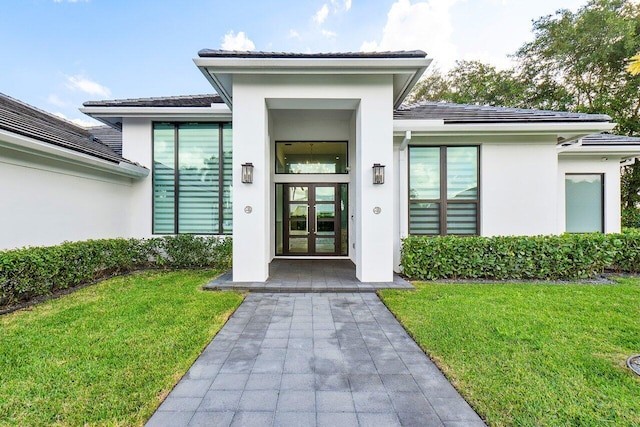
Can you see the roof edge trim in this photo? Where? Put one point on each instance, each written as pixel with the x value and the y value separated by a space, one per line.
pixel 33 146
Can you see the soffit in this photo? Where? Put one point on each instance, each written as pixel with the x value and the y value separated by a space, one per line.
pixel 220 67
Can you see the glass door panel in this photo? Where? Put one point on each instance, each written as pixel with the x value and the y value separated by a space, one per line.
pixel 313 219
pixel 298 219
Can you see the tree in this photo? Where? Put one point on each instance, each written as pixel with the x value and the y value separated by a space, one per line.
pixel 577 61
pixel 581 57
pixel 470 82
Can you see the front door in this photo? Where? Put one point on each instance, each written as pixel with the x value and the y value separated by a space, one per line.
pixel 312 218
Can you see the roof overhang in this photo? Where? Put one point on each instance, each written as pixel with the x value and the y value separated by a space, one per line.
pixel 564 132
pixel 606 150
pixel 220 71
pixel 33 146
pixel 112 116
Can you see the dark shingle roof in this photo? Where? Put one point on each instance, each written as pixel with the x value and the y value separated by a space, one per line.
pixel 216 53
pixel 109 136
pixel 609 139
pixel 462 113
pixel 23 119
pixel 166 101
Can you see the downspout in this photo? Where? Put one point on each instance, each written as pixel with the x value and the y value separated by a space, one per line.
pixel 403 206
pixel 405 141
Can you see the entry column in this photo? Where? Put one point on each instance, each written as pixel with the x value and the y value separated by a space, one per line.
pixel 251 202
pixel 374 202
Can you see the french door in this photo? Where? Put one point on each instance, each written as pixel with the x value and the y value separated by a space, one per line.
pixel 312 219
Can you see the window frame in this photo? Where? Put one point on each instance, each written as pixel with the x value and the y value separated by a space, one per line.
pixel 318 141
pixel 176 178
pixel 444 201
pixel 602 201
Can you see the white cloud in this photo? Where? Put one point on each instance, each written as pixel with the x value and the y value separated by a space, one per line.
pixel 293 34
pixel 341 4
pixel 238 41
pixel 321 14
pixel 84 84
pixel 55 100
pixel 424 25
pixel 80 122
pixel 328 34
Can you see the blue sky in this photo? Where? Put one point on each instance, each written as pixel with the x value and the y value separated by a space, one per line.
pixel 56 54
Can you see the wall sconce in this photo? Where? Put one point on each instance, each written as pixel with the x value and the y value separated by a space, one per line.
pixel 378 173
pixel 247 173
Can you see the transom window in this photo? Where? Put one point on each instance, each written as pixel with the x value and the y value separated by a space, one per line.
pixel 192 179
pixel 443 190
pixel 311 157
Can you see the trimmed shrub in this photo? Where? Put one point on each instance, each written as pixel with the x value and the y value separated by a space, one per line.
pixel 564 257
pixel 32 272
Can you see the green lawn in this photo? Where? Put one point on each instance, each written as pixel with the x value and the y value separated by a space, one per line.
pixel 532 354
pixel 106 354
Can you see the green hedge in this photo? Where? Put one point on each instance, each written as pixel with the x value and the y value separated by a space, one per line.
pixel 32 272
pixel 564 257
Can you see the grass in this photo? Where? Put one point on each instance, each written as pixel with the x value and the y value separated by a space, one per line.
pixel 532 354
pixel 106 354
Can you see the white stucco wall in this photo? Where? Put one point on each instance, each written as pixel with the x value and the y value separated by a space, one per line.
pixel 519 187
pixel 371 97
pixel 607 165
pixel 137 135
pixel 47 202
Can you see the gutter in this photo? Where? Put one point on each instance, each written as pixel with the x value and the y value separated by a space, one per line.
pixel 42 149
pixel 427 127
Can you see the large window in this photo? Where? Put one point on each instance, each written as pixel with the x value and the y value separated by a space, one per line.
pixel 443 190
pixel 584 205
pixel 192 180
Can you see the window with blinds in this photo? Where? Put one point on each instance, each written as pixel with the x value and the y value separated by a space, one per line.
pixel 192 180
pixel 443 190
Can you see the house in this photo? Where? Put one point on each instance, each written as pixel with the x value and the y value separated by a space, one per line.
pixel 315 155
pixel 58 181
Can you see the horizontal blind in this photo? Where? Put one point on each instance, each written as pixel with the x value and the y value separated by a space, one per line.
pixel 199 174
pixel 163 179
pixel 461 218
pixel 227 179
pixel 424 218
pixel 424 170
pixel 462 173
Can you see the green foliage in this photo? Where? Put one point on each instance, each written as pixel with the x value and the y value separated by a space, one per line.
pixel 31 272
pixel 106 355
pixel 565 257
pixel 470 82
pixel 532 354
pixel 577 61
pixel 631 217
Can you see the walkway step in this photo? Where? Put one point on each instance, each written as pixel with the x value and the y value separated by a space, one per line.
pixel 308 276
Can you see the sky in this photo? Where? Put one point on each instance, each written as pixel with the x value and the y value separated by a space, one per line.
pixel 57 54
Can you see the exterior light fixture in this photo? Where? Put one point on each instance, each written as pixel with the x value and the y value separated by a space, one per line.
pixel 378 173
pixel 247 173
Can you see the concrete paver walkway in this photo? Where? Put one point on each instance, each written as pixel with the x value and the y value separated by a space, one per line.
pixel 296 359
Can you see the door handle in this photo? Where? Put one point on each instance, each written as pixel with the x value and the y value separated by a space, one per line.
pixel 307 219
pixel 315 216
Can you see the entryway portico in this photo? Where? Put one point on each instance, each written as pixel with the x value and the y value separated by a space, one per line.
pixel 301 99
